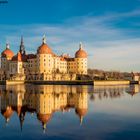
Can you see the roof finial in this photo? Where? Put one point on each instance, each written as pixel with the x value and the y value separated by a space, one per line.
pixel 44 39
pixel 81 120
pixel 44 127
pixel 80 45
pixel 7 120
pixel 7 46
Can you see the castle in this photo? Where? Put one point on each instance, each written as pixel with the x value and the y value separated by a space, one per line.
pixel 43 65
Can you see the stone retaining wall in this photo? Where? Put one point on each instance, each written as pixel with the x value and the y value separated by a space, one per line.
pixel 110 83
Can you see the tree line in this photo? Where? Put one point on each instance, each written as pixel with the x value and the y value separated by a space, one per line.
pixel 97 74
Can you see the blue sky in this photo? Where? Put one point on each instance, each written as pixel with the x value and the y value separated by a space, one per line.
pixel 109 29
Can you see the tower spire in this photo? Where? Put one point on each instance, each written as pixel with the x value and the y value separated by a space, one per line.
pixel 22 48
pixel 21 39
pixel 21 118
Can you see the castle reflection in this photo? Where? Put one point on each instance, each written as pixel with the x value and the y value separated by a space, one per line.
pixel 45 100
pixel 42 100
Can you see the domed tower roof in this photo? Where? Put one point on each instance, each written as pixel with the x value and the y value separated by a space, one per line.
pixel 7 113
pixel 17 57
pixel 7 52
pixel 80 53
pixel 81 113
pixel 44 118
pixel 44 48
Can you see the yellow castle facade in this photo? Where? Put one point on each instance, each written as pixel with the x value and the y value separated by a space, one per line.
pixel 43 65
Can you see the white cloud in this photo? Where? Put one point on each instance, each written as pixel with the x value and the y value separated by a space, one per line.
pixel 116 55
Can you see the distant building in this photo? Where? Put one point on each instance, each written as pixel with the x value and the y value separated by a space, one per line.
pixel 43 65
pixel 135 76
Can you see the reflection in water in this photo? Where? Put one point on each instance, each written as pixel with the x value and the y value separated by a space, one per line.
pixel 133 89
pixel 111 92
pixel 43 100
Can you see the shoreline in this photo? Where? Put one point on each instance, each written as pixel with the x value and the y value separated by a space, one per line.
pixel 76 82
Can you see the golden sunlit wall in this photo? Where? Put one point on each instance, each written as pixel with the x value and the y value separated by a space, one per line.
pixel 81 64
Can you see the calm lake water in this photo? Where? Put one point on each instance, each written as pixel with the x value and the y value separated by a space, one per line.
pixel 69 112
